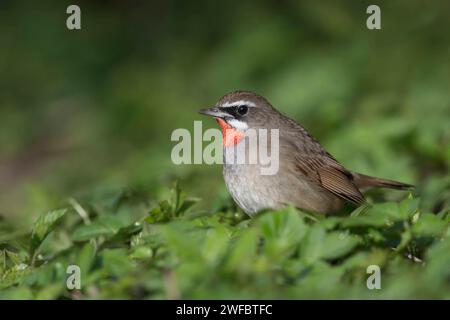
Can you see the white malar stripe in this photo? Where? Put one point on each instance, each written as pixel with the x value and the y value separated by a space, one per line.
pixel 240 125
pixel 238 103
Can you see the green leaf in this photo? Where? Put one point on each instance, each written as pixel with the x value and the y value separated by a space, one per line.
pixel 50 292
pixel 15 258
pixel 429 225
pixel 330 222
pixel 364 221
pixel 116 262
pixel 187 204
pixel 42 227
pixel 311 247
pixel 141 253
pixel 282 232
pixel 243 253
pixel 103 226
pixel 14 275
pixel 85 260
pixel 408 207
pixel 438 261
pixel 156 215
pixel 216 244
pixel 181 239
pixel 90 231
pixel 390 211
pixel 360 210
pixel 383 214
pixel 338 244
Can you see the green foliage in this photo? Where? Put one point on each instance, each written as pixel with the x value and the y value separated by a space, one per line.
pixel 42 227
pixel 283 254
pixel 88 115
pixel 173 208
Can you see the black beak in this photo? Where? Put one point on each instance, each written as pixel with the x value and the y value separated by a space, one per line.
pixel 214 112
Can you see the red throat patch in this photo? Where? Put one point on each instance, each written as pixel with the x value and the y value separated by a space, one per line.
pixel 230 135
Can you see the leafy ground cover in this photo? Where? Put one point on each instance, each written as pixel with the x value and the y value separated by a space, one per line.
pixel 174 251
pixel 87 116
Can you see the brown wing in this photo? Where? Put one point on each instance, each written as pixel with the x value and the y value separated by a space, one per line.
pixel 330 175
pixel 314 162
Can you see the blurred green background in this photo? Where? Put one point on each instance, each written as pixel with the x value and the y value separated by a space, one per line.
pixel 89 113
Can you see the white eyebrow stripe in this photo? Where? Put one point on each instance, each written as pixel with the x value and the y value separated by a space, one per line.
pixel 238 103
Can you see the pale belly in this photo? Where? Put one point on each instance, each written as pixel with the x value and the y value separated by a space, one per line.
pixel 251 191
pixel 254 191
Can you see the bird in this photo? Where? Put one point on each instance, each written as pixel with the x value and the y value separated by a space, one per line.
pixel 308 177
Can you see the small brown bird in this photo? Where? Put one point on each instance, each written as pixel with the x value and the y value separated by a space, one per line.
pixel 308 176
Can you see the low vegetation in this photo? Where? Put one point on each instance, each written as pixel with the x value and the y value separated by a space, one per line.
pixel 176 252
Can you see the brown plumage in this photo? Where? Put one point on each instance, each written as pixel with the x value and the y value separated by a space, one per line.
pixel 308 176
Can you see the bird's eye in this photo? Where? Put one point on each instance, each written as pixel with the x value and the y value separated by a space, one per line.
pixel 242 110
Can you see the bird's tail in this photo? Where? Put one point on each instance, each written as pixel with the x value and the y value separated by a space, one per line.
pixel 362 182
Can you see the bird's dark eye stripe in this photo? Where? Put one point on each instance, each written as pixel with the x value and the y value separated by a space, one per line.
pixel 236 111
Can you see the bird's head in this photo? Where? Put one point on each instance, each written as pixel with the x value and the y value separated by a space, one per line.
pixel 238 111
